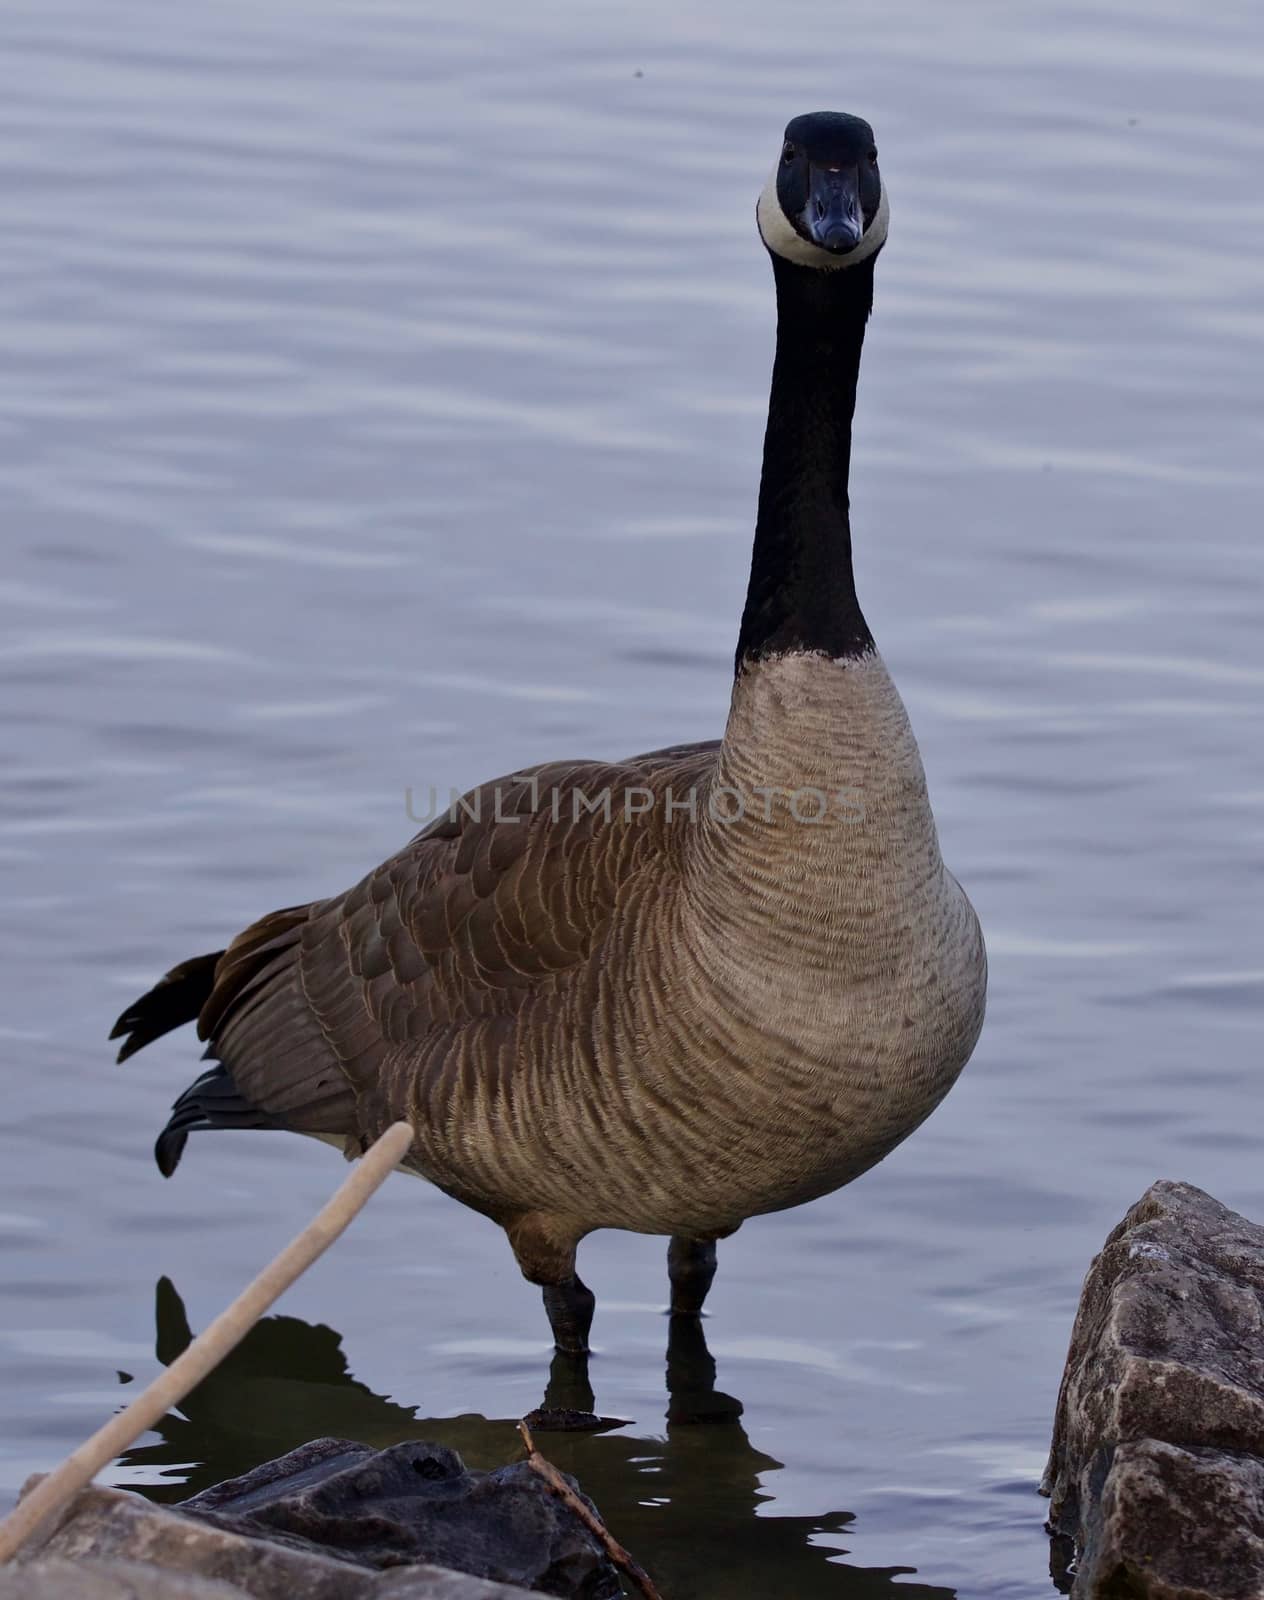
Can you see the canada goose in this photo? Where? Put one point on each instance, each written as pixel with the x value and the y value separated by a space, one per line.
pixel 662 994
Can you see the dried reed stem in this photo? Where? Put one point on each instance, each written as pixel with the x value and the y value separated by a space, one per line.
pixel 559 1486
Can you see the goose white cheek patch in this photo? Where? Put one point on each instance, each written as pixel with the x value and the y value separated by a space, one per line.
pixel 776 232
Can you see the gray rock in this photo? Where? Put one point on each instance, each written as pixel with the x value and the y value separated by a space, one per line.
pixel 415 1502
pixel 109 1580
pixel 111 1539
pixel 434 1583
pixel 1157 1468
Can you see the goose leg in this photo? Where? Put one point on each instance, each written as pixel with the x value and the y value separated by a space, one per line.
pixel 544 1245
pixel 690 1268
pixel 570 1306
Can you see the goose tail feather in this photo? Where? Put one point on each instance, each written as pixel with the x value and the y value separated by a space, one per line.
pixel 174 1000
pixel 273 1066
pixel 210 1101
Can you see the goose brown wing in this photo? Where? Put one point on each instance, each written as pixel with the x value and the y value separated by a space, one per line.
pixel 493 904
pixel 691 762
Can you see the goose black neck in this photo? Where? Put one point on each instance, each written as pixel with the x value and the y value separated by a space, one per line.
pixel 802 596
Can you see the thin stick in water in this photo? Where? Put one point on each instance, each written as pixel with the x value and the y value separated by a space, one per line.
pixel 558 1484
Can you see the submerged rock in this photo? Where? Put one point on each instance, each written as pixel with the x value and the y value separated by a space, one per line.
pixel 1157 1468
pixel 415 1502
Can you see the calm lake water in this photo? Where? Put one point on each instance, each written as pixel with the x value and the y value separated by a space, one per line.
pixel 380 405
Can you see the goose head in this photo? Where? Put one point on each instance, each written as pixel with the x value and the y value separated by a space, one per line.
pixel 825 205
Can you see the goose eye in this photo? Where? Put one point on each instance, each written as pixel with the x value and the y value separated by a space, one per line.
pixel 788 151
pixel 873 158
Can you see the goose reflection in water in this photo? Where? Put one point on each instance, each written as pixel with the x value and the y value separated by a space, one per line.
pixel 690 1505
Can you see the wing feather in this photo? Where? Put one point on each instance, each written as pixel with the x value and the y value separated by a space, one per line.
pixel 490 908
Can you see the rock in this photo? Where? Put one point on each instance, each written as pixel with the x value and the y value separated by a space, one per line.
pixel 415 1502
pixel 109 1580
pixel 1157 1468
pixel 120 1547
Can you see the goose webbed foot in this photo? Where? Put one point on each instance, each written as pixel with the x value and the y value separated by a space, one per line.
pixel 690 1269
pixel 570 1305
pixel 568 1401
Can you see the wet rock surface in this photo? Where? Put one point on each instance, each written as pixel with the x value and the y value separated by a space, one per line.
pixel 330 1521
pixel 109 1526
pixel 1156 1474
pixel 109 1580
pixel 415 1502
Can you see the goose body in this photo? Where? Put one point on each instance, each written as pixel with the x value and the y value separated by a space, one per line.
pixel 668 993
